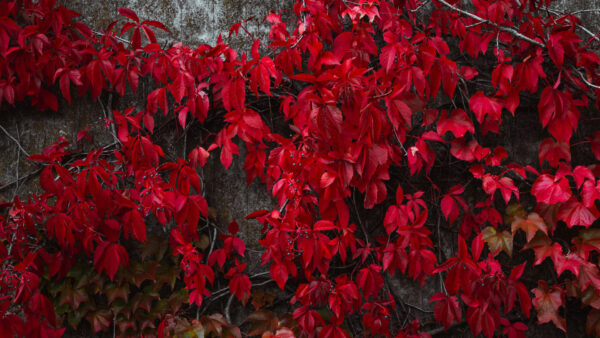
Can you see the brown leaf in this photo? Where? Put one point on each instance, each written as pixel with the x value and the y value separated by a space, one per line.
pixel 531 225
pixel 498 241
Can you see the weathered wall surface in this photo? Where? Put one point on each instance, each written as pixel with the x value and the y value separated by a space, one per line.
pixel 191 21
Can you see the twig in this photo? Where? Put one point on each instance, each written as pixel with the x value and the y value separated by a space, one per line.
pixel 284 205
pixel 6 186
pixel 399 143
pixel 184 155
pixel 594 36
pixel 475 24
pixel 114 36
pixel 382 95
pixel 387 286
pixel 17 166
pixel 417 308
pixel 419 7
pixel 585 10
pixel 223 291
pixel 441 329
pixel 297 41
pixel 226 311
pixel 359 220
pixel 586 81
pixel 263 283
pixel 212 242
pixel 15 140
pixel 439 240
pixel 109 116
pixel 511 31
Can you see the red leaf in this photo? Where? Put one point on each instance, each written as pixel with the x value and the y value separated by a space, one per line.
pixel 515 330
pixel 553 104
pixel 543 248
pixel 324 225
pixel 128 13
pixel 596 145
pixel 233 227
pixel 198 156
pixel 108 256
pixel 458 123
pixel 178 88
pixel 156 24
pixel 279 273
pixel 399 195
pixel 531 225
pixel 553 152
pixel 446 310
pixel 550 190
pixel 327 179
pixel 573 212
pixel 546 303
pixel 482 105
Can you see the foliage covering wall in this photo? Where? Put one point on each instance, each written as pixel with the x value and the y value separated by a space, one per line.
pixel 395 137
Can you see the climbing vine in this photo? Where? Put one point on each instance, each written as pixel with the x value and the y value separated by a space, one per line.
pixel 399 110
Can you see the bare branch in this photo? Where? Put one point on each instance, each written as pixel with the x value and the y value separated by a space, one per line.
pixel 15 140
pixel 22 178
pixel 587 31
pixel 419 7
pixel 585 80
pixel 509 30
pixel 107 110
pixel 17 166
pixel 115 36
pixel 586 10
pixel 226 312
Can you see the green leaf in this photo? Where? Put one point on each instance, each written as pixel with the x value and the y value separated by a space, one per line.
pixel 73 297
pixel 177 299
pixel 100 320
pixel 113 292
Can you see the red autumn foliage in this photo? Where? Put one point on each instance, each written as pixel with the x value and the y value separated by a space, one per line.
pixel 381 92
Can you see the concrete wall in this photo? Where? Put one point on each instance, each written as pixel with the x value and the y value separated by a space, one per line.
pixel 191 21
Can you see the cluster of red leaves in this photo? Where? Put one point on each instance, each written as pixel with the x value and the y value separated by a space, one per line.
pixel 370 73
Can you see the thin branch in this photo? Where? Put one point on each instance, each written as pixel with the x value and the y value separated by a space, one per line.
pixel 419 7
pixel 382 95
pixel 263 283
pixel 185 134
pixel 475 24
pixel 284 205
pixel 17 166
pixel 590 33
pixel 585 80
pixel 442 329
pixel 114 36
pixel 511 31
pixel 109 116
pixel 226 311
pixel 586 10
pixel 417 308
pixel 297 41
pixel 15 140
pixel 362 227
pixel 6 186
pixel 212 243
